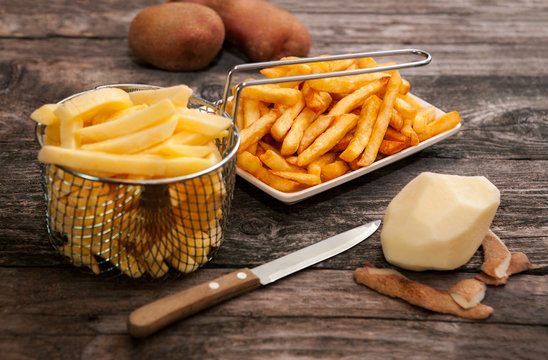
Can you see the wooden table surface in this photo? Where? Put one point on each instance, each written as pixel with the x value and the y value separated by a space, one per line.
pixel 490 63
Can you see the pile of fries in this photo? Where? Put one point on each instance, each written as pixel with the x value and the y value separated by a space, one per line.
pixel 299 134
pixel 148 134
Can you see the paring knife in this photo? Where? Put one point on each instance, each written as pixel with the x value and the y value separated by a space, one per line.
pixel 152 317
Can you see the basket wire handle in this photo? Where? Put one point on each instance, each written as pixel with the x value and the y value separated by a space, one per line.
pixel 426 58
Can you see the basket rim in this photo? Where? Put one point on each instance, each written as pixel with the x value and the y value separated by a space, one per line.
pixel 230 152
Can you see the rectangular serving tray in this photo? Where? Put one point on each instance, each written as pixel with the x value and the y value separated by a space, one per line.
pixel 294 197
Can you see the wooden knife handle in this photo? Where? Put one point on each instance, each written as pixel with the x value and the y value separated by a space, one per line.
pixel 152 317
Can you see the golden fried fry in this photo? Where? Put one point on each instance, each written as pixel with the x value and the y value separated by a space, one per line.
pixel 258 129
pixel 364 128
pixel 293 138
pixel 328 139
pixel 272 93
pixel 356 99
pixel 252 164
pixel 314 130
pixel 334 170
pixel 382 122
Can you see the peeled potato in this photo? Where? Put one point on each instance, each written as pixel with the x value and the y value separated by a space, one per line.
pixel 438 221
pixel 177 36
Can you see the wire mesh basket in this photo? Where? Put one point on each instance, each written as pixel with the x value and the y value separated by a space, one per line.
pixel 146 227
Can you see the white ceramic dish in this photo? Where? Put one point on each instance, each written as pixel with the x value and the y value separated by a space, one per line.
pixel 294 197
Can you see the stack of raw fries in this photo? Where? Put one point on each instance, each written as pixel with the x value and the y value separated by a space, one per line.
pixel 299 134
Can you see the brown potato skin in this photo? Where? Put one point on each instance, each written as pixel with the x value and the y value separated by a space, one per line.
pixel 177 36
pixel 260 30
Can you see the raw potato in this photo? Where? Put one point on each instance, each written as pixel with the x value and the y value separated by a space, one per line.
pixel 177 36
pixel 438 221
pixel 261 30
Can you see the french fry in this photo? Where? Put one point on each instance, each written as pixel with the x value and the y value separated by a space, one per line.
pixel 300 177
pixel 356 99
pixel 314 130
pixel 408 131
pixel 252 164
pixel 258 129
pixel 315 100
pixel 382 122
pixel 389 147
pixel 328 139
pixel 364 128
pixel 293 138
pixel 275 161
pixel 283 123
pixel 394 135
pixel 334 170
pixel 315 167
pixel 272 93
pixel 344 142
pixel 345 84
pixel 396 120
pixel 442 124
pixel 422 118
pixel 404 108
pixel 251 111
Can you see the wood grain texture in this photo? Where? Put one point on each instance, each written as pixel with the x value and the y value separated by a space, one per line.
pixel 490 63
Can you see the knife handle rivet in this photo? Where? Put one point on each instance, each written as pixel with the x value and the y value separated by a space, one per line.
pixel 214 285
pixel 241 275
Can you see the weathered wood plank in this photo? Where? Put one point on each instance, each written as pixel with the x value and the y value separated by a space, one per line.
pixel 287 319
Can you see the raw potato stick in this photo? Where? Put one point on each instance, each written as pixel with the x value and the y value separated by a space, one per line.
pixel 392 283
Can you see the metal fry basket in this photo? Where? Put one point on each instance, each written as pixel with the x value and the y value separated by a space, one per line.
pixel 141 228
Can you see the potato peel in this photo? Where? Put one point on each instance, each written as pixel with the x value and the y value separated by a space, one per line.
pixel 496 256
pixel 394 284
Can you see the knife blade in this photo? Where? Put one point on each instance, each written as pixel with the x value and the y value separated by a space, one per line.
pixel 152 317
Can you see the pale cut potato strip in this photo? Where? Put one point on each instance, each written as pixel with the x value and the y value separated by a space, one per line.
pixel 149 165
pixel 195 120
pixel 45 114
pixel 130 123
pixel 178 94
pixel 137 141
